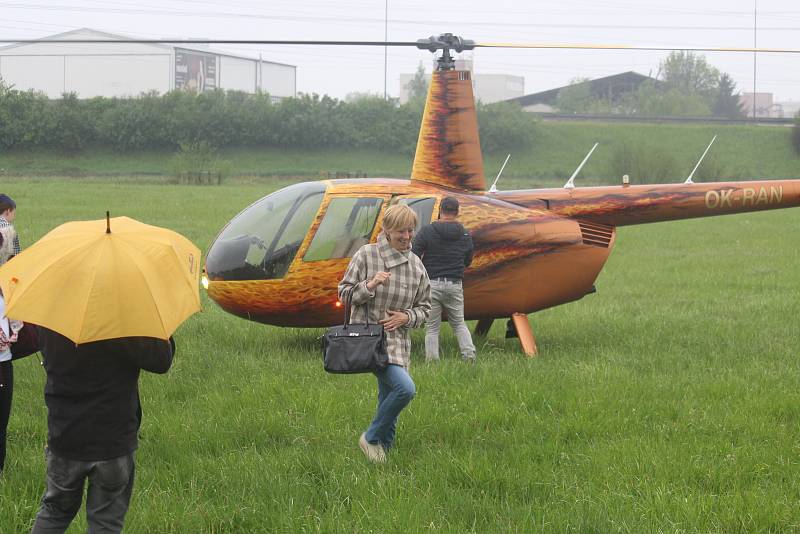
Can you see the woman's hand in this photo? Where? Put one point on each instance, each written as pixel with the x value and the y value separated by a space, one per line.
pixel 394 320
pixel 380 278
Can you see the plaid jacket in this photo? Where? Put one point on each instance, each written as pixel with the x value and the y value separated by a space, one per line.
pixel 408 290
pixel 4 223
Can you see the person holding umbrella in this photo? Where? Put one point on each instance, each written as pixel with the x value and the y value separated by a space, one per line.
pixel 8 335
pixel 106 303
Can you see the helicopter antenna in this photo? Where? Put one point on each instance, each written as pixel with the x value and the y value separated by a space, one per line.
pixel 570 183
pixel 689 179
pixel 493 189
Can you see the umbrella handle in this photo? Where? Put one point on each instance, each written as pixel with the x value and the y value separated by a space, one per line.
pixel 108 222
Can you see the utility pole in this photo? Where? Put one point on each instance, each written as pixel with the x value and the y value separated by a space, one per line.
pixel 755 44
pixel 385 48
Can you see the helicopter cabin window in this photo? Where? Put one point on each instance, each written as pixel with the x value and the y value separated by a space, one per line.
pixel 347 225
pixel 261 242
pixel 423 207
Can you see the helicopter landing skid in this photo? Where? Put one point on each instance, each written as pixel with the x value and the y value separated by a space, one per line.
pixel 482 328
pixel 518 326
pixel 525 333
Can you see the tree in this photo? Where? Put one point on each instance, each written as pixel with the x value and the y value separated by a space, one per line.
pixel 652 101
pixel 575 98
pixel 727 103
pixel 689 74
pixel 417 87
pixel 358 96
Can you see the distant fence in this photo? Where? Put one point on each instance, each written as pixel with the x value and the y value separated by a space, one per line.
pixel 336 175
pixel 678 120
pixel 200 177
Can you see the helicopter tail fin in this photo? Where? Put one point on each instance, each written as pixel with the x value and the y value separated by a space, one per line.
pixel 448 149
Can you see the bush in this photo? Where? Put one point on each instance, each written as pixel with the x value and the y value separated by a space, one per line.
pixel 221 119
pixel 376 123
pixel 138 123
pixel 199 163
pixel 644 163
pixel 713 169
pixel 796 134
pixel 71 123
pixel 504 126
pixel 24 118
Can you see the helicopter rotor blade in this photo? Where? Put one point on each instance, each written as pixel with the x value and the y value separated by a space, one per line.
pixel 432 43
pixel 213 41
pixel 578 46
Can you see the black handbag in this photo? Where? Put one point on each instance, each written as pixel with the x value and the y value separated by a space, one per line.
pixel 354 348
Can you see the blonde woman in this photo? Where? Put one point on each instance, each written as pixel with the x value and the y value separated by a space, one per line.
pixel 391 282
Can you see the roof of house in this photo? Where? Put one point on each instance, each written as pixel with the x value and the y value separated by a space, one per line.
pixel 82 33
pixel 614 84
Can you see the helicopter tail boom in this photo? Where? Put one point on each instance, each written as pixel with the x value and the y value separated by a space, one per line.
pixel 639 204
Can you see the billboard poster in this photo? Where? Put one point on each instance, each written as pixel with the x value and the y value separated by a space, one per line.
pixel 195 71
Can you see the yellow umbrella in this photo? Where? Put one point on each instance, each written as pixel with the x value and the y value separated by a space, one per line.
pixel 93 280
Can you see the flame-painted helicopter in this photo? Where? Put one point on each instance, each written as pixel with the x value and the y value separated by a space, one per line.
pixel 279 261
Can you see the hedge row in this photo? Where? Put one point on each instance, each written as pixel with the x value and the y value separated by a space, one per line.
pixel 796 134
pixel 225 119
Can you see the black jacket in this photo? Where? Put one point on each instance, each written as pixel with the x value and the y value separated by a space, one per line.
pixel 92 392
pixel 445 248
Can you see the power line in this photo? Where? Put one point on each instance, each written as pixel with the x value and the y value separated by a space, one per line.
pixel 305 18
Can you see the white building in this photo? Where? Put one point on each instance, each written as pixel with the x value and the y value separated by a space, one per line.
pixel 788 108
pixel 486 88
pixel 129 69
pixel 762 101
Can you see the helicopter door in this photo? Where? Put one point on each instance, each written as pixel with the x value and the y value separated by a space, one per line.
pixel 349 223
pixel 422 206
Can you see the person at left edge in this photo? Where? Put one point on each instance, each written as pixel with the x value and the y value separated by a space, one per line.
pixel 8 212
pixel 93 419
pixel 390 281
pixel 8 334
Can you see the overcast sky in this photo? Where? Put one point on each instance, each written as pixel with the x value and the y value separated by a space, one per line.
pixel 341 70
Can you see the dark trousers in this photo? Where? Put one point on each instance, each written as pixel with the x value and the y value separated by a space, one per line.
pixel 6 395
pixel 107 499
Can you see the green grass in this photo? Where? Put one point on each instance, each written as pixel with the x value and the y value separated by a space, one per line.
pixel 259 162
pixel 740 152
pixel 666 402
pixel 743 152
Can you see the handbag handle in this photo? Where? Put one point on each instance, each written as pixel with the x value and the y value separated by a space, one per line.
pixel 347 308
pixel 347 298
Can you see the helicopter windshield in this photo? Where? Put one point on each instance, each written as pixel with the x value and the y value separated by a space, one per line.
pixel 347 225
pixel 261 242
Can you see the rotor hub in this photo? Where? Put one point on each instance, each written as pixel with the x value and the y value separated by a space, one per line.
pixel 445 42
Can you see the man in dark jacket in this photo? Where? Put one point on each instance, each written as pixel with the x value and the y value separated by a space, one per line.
pixel 445 248
pixel 93 418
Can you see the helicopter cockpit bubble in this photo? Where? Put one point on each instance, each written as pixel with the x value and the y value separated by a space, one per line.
pixel 261 242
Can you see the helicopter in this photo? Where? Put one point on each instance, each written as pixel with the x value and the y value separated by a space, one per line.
pixel 279 260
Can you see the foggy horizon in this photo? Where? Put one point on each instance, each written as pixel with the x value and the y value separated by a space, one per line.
pixel 338 71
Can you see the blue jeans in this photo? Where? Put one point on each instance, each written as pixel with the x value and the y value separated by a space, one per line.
pixel 107 499
pixel 447 295
pixel 395 391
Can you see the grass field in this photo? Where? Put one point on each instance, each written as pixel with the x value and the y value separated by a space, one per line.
pixel 666 402
pixel 740 152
